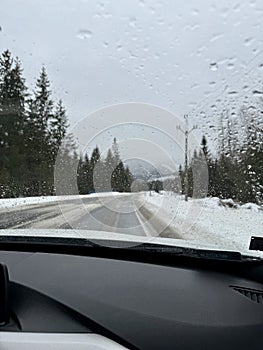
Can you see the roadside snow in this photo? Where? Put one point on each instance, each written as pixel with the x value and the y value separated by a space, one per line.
pixel 206 220
pixel 13 202
pixel 252 206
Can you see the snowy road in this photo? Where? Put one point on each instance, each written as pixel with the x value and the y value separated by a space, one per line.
pixel 198 222
pixel 119 214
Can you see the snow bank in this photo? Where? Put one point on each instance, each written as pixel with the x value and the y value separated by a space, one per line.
pixel 251 206
pixel 105 194
pixel 13 202
pixel 207 221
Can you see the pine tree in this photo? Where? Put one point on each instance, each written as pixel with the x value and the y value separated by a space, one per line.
pixel 43 102
pixel 118 178
pixel 84 184
pixel 128 179
pixel 94 160
pixel 204 148
pixel 66 167
pixel 81 176
pixel 116 153
pixel 30 132
pixel 181 177
pixel 212 169
pixel 110 161
pixel 110 164
pixel 39 138
pixel 13 94
pixel 251 160
pixel 121 177
pixel 59 125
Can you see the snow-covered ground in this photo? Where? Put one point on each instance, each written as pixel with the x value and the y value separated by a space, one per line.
pixel 13 202
pixel 207 221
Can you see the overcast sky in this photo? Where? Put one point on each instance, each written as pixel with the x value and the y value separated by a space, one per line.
pixel 184 56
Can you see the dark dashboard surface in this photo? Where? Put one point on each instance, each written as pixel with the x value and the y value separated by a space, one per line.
pixel 145 306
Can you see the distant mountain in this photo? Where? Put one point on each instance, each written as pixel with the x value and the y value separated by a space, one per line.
pixel 146 171
pixel 141 169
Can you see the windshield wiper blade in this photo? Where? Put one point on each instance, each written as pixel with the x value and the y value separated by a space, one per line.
pixel 33 243
pixel 182 251
pixel 192 252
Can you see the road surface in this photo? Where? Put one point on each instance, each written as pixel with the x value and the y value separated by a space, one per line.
pixel 119 214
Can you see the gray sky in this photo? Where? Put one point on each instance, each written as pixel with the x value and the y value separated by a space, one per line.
pixel 184 56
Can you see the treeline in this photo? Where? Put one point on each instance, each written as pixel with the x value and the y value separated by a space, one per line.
pixel 236 171
pixel 33 128
pixel 96 174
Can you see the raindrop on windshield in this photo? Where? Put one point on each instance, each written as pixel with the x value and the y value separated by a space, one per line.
pixel 248 41
pixel 84 34
pixel 213 66
pixel 230 66
pixel 257 93
pixel 132 22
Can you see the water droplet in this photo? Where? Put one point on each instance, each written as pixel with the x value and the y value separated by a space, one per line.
pixel 132 22
pixel 194 86
pixel 257 93
pixel 132 55
pixel 248 41
pixel 213 66
pixel 236 7
pixel 195 12
pixel 245 87
pixel 161 21
pixel 84 34
pixel 146 48
pixel 216 37
pixel 224 12
pixel 230 66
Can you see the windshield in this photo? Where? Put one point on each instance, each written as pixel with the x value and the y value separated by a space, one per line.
pixel 135 121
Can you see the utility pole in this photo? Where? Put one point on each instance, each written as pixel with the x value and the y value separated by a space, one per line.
pixel 186 132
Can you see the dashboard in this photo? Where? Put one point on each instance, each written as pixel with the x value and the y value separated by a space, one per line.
pixel 60 301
